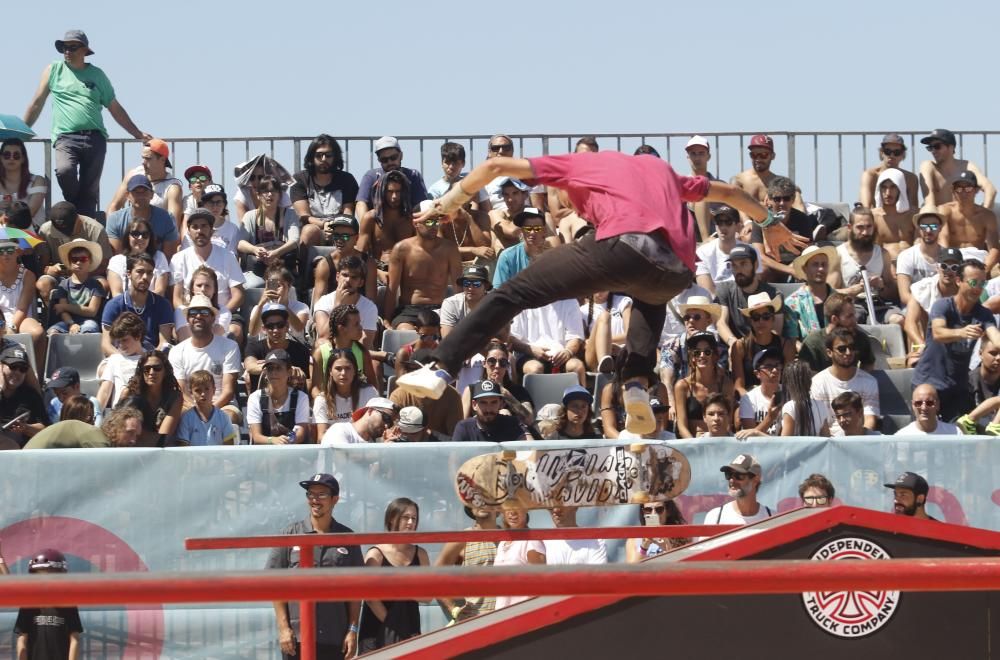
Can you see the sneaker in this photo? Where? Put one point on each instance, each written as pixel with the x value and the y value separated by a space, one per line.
pixel 606 365
pixel 993 428
pixel 427 382
pixel 639 414
pixel 967 424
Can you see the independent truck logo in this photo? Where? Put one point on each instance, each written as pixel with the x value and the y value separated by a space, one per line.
pixel 850 614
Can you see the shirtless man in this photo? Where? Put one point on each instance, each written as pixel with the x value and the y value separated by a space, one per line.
pixel 967 225
pixel 473 240
pixel 756 179
pixel 892 151
pixel 937 175
pixel 894 228
pixel 389 222
pixel 698 155
pixel 504 232
pixel 417 276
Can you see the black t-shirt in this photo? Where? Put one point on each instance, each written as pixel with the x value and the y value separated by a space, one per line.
pixel 24 400
pixel 48 630
pixel 504 429
pixel 981 390
pixel 735 298
pixel 798 223
pixel 297 353
pixel 324 201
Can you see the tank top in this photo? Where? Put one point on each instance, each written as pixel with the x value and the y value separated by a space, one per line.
pixel 851 269
pixel 9 297
pixel 326 350
pixel 402 618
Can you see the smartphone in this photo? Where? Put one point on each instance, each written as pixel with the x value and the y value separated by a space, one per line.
pixel 273 284
pixel 652 519
pixel 20 418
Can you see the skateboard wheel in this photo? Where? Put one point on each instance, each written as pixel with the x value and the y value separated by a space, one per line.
pixel 508 454
pixel 636 447
pixel 640 497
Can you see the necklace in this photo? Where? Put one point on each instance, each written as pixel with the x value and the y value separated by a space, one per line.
pixel 464 235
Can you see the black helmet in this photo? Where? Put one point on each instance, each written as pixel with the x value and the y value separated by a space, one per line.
pixel 47 559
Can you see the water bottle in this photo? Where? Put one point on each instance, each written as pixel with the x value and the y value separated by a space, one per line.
pixel 291 434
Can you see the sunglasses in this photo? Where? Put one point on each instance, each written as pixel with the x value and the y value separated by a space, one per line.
pixel 341 238
pixel 737 476
pixel 430 222
pixel 654 509
pixel 955 268
pixel 844 348
pixel 935 146
pixel 964 188
pixel 769 367
pixel 893 152
pixel 153 368
pixel 389 159
pixel 386 418
pixel 23 368
pixel 503 362
pixel 759 155
pixel 725 222
pixel 497 148
pixel 431 337
pixel 71 49
pixel 692 317
pixel 12 155
pixel 925 403
pixel 475 284
pixel 932 226
pixel 198 178
pixel 975 284
pixel 318 496
pixel 139 234
pixel 79 259
pixel 8 250
pixel 323 155
pixel 781 198
pixel 275 326
pixel 701 352
pixel 765 316
pixel 533 229
pixel 199 311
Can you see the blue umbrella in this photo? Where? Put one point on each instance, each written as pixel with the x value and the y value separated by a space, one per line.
pixel 12 126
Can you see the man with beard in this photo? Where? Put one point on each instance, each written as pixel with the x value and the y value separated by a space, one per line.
pixel 937 175
pixel 891 153
pixel 351 276
pixel 839 312
pixel 488 425
pixel 322 191
pixel 756 179
pixel 956 324
pixel 140 194
pixel 713 264
pixel 925 404
pixel 842 376
pixel 390 158
pixel 389 222
pixel 781 195
pixel 743 476
pixel 967 225
pixel 154 310
pixel 910 495
pixel 805 305
pixel 167 189
pixel 420 269
pixel 64 225
pixel 344 235
pixel 734 294
pixel 367 424
pixel 860 253
pixel 919 261
pixel 928 291
pixel 893 214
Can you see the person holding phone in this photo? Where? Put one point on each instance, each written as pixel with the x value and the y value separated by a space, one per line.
pixel 22 411
pixel 655 514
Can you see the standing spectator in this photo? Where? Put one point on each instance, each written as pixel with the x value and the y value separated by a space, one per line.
pixel 341 393
pixel 843 375
pixel 859 254
pixel 66 225
pixel 761 310
pixel 705 377
pixel 118 368
pixel 140 207
pixel 197 176
pixel 79 91
pixel 840 312
pixel 270 234
pixel 18 398
pixel 743 475
pixel 367 424
pixel 390 158
pixel 517 553
pixel 805 305
pixel 155 384
pixel 48 632
pixel 322 190
pixel 18 184
pixel 572 551
pixel 204 425
pixel 167 188
pixel 488 425
pixel 140 241
pixel 816 491
pixel 154 310
pixel 473 553
pixel 937 175
pixel 274 322
pixel 925 404
pixel 65 385
pixel 928 291
pixel 79 297
pixel 801 415
pixel 910 495
pixel 849 416
pixel 760 407
pixel 698 155
pixel 385 622
pixel 336 622
pixel 893 215
pixel 713 264
pixel 17 298
pixel 920 261
pixel 734 294
pixel 276 413
pixel 891 152
pixel 783 200
pixel 655 514
pixel 956 324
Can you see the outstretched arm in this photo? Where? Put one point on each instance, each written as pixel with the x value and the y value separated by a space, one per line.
pixel 776 234
pixel 467 188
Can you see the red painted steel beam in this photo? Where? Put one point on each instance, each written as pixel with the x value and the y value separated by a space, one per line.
pixel 647 579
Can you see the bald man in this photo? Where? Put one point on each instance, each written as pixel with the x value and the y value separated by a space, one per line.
pixel 926 404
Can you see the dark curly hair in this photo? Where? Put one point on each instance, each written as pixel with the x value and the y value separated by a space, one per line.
pixel 137 384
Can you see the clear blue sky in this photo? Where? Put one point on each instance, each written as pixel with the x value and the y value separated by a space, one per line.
pixel 434 67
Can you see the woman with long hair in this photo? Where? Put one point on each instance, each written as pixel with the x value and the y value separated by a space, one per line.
pixel 385 622
pixel 574 416
pixel 78 406
pixel 801 415
pixel 154 383
pixel 18 184
pixel 140 239
pixel 273 232
pixel 497 367
pixel 345 333
pixel 705 377
pixel 654 514
pixel 342 392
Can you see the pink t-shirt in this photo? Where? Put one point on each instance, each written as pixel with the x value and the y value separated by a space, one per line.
pixel 621 194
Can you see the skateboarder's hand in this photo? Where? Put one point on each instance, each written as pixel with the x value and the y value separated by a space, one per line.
pixel 286 639
pixel 778 236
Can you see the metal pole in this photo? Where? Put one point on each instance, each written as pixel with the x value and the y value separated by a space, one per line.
pixel 307 609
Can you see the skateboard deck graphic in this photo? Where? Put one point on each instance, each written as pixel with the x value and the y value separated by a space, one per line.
pixel 581 476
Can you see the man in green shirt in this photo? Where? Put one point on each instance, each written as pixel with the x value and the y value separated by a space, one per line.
pixel 79 92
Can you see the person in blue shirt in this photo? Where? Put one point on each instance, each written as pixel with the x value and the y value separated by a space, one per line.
pixel 204 425
pixel 65 384
pixel 156 312
pixel 140 194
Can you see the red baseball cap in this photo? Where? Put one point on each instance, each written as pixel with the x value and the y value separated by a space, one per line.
pixel 761 140
pixel 195 169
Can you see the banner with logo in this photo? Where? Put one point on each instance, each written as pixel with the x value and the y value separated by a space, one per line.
pixel 112 510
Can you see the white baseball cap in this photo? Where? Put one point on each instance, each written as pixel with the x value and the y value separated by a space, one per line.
pixel 386 142
pixel 697 141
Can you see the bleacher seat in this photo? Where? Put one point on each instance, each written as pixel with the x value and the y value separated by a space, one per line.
pixel 894 389
pixel 890 336
pixel 881 355
pixel 307 269
pixel 24 339
pixel 548 388
pixel 892 423
pixel 392 341
pixel 80 351
pixel 251 298
pixel 89 387
pixel 841 208
pixel 787 288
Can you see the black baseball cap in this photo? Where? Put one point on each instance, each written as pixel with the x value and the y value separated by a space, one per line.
pixel 64 377
pixel 344 220
pixel 950 255
pixel 966 177
pixel 939 135
pixel 485 388
pixel 527 212
pixel 474 273
pixel 911 481
pixel 322 479
pixel 743 251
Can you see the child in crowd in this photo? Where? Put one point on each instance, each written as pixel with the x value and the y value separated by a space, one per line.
pixel 118 368
pixel 48 632
pixel 204 425
pixel 345 332
pixel 78 298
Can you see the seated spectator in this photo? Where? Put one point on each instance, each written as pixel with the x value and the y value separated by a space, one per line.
pixel 157 220
pixel 368 424
pixel 849 416
pixel 497 368
pixel 534 241
pixel 984 381
pixel 78 407
pixel 17 299
pixel 840 312
pixel 781 200
pixel 655 514
pixel 140 240
pixel 718 417
pixel 488 425
pixel 204 425
pixel 513 197
pixel 713 264
pixel 65 385
pixel 605 324
pixel 661 414
pixel 18 184
pixel 816 491
pixel 572 551
pixel 17 216
pixel 733 295
pixel 350 276
pixel 470 231
pixel 761 310
pixel 893 215
pixel 969 226
pixel 197 176
pixel 925 405
pixel 341 392
pixel 428 337
pixel 226 234
pixel 805 305
pixel 120 429
pixel 910 496
pixel 956 323
pixel 322 190
pixel 743 475
pixel 473 553
pixel 860 254
pixel 420 269
pixel 275 323
pixel 270 234
pixel 65 225
pixel 22 412
pixel 389 222
pixel 574 420
pixel 842 376
pixel 517 553
pixel 156 386
pixel 503 146
pixel 412 427
pixel 204 350
pixel 204 282
pixel 203 252
pixel 249 173
pixel 154 310
pixel 891 152
pixel 612 405
pixel 928 291
pixel 278 414
pixel 279 289
pixel 390 158
pixel 385 622
pixel 705 377
pixel 78 298
pixel 443 414
pixel 118 368
pixel 698 315
pixel 760 407
pixel 674 325
pixel 167 190
pixel 346 334
pixel 937 175
pixel 475 284
pixel 452 165
pixel 920 261
pixel 546 339
pixel 801 415
pixel 547 422
pixel 343 232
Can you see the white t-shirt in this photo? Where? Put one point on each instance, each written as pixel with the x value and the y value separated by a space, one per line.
pixel 119 369
pixel 343 407
pixel 926 292
pixel 825 388
pixel 819 412
pixel 912 262
pixel 185 262
pixel 221 356
pixel 754 405
pixel 342 434
pixel 514 553
pixel 551 326
pixel 119 266
pixel 943 428
pixel 294 307
pixel 617 319
pixel 453 309
pixel 256 416
pixel 728 514
pixel 227 236
pixel 714 262
pixel 366 308
pixel 562 551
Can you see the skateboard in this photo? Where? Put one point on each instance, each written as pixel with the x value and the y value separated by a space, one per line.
pixel 581 476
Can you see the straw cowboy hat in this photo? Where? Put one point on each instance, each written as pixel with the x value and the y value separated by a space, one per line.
pixel 762 299
pixel 96 253
pixel 927 210
pixel 704 304
pixel 799 265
